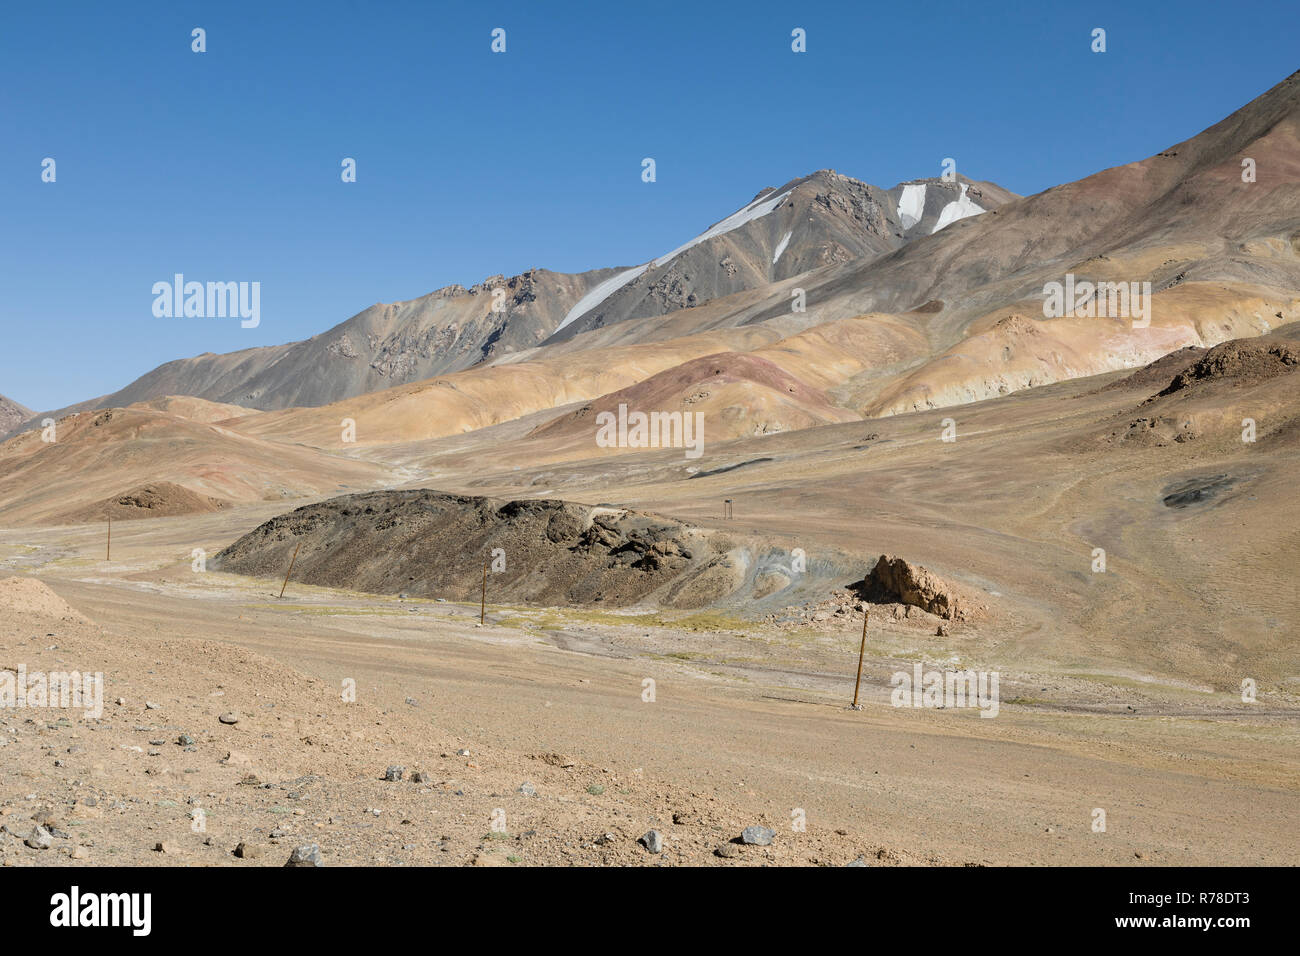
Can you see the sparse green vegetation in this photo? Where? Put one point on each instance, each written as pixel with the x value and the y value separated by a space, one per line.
pixel 323 610
pixel 560 618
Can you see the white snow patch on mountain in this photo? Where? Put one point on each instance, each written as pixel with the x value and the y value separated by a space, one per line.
pixel 756 209
pixel 600 293
pixel 959 208
pixel 780 247
pixel 911 205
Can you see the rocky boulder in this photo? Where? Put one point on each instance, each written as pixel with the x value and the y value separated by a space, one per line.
pixel 895 579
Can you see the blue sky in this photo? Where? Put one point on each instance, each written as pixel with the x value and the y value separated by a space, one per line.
pixel 225 165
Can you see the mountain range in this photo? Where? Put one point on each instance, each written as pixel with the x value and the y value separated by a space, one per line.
pixel 820 219
pixel 820 301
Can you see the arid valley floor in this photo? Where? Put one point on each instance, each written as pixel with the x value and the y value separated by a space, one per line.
pixel 1120 691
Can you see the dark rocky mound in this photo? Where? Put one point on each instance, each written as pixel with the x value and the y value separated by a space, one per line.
pixel 1200 385
pixel 429 544
pixel 1161 370
pixel 159 499
pixel 1243 361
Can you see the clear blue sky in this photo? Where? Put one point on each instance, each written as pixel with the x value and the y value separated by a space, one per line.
pixel 225 165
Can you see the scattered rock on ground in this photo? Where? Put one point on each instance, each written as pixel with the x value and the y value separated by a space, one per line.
pixel 306 855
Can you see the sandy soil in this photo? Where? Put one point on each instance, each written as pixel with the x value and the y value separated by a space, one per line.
pixel 1120 690
pixel 748 725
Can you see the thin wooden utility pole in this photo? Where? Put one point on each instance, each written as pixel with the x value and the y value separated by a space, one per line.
pixel 861 651
pixel 482 608
pixel 290 571
pixel 108 551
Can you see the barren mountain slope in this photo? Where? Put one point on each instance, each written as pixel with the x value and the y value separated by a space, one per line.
pixel 100 458
pixel 1182 215
pixel 783 232
pixel 383 346
pixel 488 395
pixel 826 217
pixel 825 357
pixel 1222 257
pixel 195 409
pixel 1010 350
pixel 12 414
pixel 785 385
